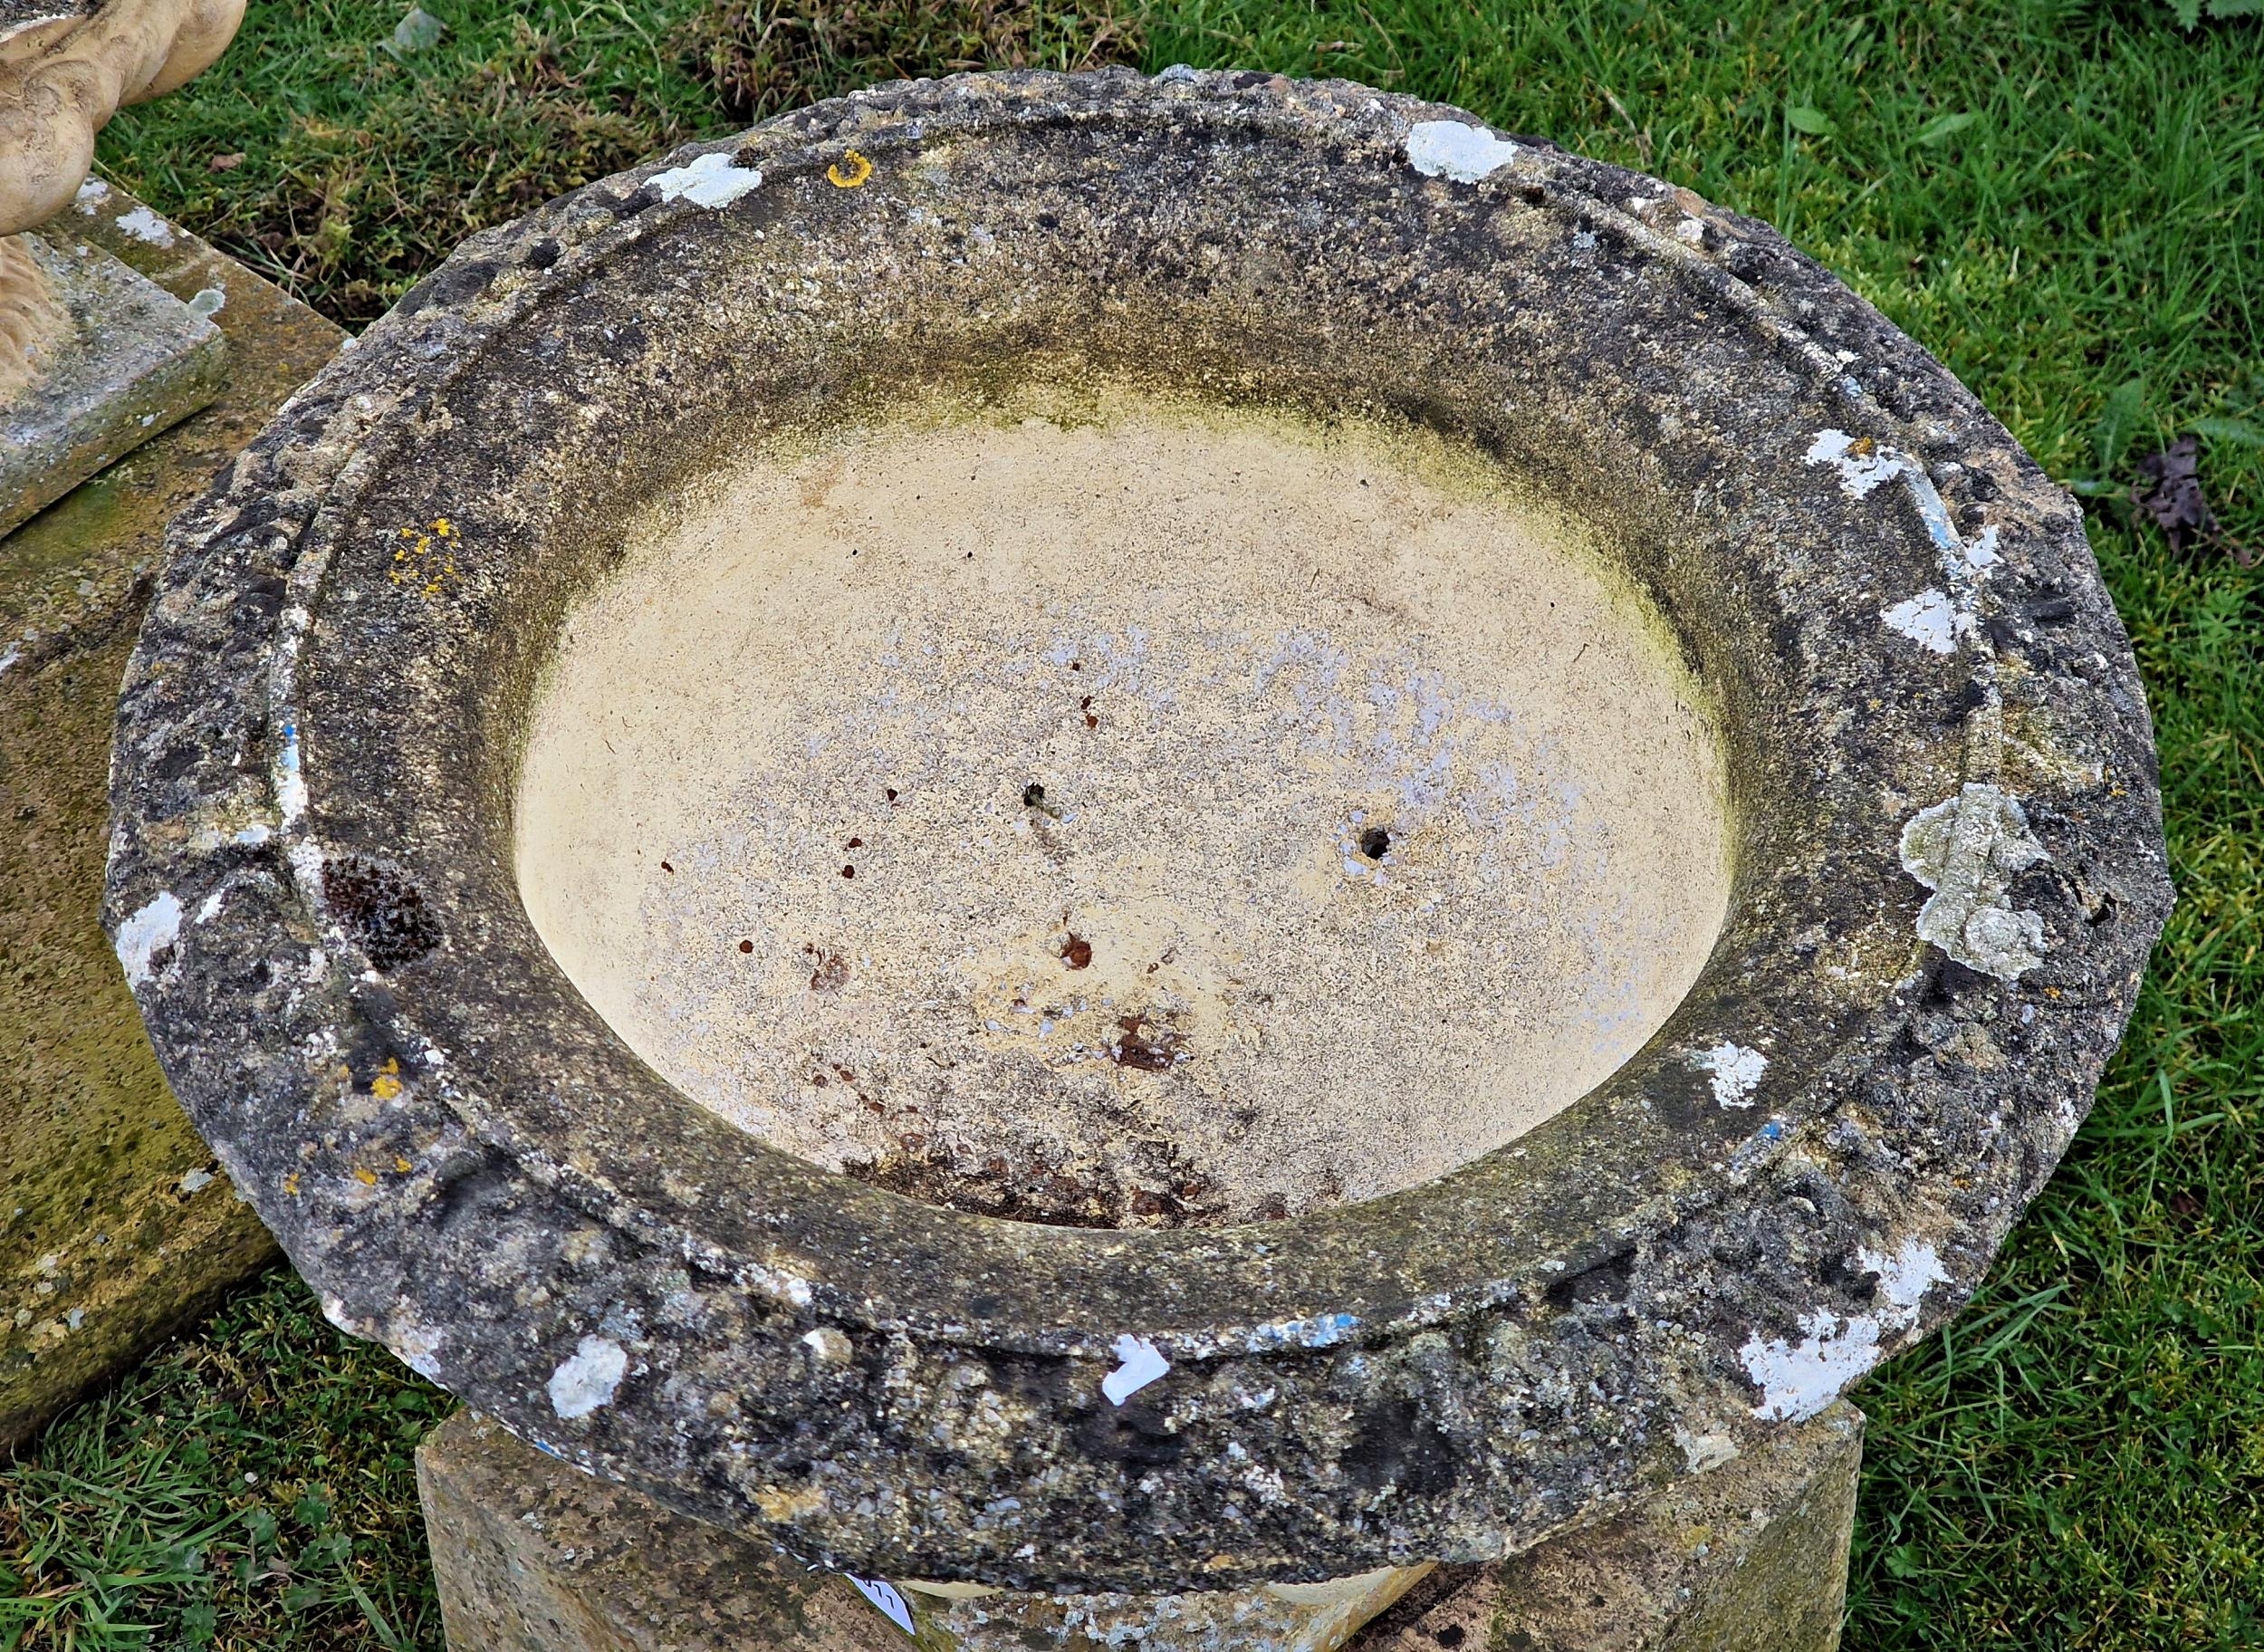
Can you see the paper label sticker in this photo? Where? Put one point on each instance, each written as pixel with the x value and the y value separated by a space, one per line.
pixel 886 1598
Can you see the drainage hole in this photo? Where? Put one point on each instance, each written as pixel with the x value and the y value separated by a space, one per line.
pixel 1373 841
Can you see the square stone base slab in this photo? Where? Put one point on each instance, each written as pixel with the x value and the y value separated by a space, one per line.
pixel 531 1555
pixel 136 362
pixel 115 1224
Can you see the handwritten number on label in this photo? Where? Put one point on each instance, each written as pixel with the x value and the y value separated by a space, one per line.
pixel 890 1603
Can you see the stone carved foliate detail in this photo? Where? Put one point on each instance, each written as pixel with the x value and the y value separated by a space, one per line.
pixel 67 66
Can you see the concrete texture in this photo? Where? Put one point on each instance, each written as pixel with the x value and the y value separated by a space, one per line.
pixel 314 886
pixel 1751 1556
pixel 531 1555
pixel 134 362
pixel 115 1224
pixel 1047 1009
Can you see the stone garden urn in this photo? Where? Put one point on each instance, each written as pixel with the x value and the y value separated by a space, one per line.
pixel 1106 837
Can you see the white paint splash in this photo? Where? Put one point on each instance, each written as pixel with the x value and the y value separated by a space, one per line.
pixel 1928 618
pixel 1736 1072
pixel 1981 551
pixel 1799 1379
pixel 146 933
pixel 1862 464
pixel 1968 849
pixel 1904 1278
pixel 197 1181
pixel 91 195
pixel 1139 1363
pixel 1457 149
pixel 290 785
pixel 143 225
pixel 709 180
pixel 883 1596
pixel 588 1378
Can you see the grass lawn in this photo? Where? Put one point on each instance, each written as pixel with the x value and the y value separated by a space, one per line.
pixel 2065 202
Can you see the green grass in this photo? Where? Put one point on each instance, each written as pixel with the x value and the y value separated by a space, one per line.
pixel 250 1486
pixel 2064 202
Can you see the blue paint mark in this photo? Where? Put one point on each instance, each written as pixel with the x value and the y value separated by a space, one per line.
pixel 1324 1330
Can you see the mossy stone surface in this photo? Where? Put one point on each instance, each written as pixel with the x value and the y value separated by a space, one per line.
pixel 115 1224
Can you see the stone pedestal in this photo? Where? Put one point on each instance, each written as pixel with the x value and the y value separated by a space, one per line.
pixel 534 1556
pixel 94 358
pixel 115 1222
pixel 111 359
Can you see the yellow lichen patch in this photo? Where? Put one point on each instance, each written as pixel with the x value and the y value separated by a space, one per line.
pixel 402 1165
pixel 387 1083
pixel 779 1503
pixel 365 1175
pixel 425 557
pixel 290 1184
pixel 849 171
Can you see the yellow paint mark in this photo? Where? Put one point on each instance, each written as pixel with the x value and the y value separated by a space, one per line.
pixel 365 1175
pixel 849 171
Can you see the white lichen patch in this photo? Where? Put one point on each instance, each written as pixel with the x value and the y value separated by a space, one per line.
pixel 1736 1072
pixel 1139 1363
pixel 417 1345
pixel 208 302
pixel 195 1181
pixel 1968 849
pixel 149 931
pixel 91 195
pixel 1861 463
pixel 1928 619
pixel 1457 150
pixel 1800 1378
pixel 144 225
pixel 1904 1278
pixel 1703 1452
pixel 709 180
pixel 588 1378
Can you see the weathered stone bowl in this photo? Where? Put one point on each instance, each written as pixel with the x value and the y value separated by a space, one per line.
pixel 594 773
